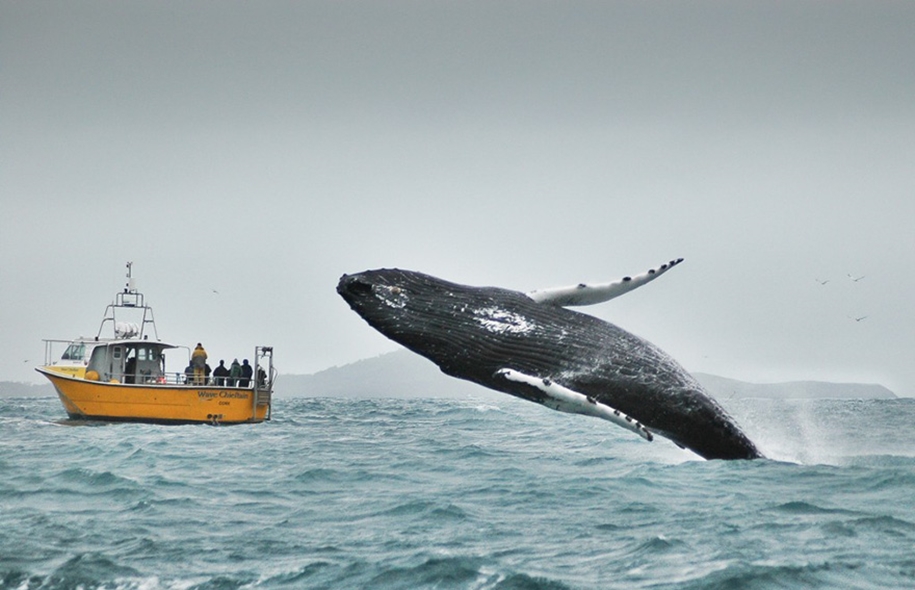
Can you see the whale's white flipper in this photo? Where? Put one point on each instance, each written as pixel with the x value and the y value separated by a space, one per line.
pixel 564 399
pixel 583 294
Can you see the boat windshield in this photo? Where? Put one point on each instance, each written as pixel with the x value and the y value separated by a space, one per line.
pixel 75 352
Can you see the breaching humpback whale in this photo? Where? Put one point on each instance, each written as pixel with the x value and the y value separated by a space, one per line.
pixel 530 346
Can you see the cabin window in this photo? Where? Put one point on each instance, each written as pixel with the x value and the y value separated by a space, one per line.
pixel 117 352
pixel 147 354
pixel 74 352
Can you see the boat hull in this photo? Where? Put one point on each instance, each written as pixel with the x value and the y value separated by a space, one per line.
pixel 158 403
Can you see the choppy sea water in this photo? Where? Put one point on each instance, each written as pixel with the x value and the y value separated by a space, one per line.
pixel 443 493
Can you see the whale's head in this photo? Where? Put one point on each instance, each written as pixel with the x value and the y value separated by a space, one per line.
pixel 440 320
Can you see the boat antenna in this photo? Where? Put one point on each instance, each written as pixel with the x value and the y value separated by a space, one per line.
pixel 129 288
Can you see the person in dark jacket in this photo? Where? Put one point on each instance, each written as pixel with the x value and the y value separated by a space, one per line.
pixel 220 373
pixel 246 373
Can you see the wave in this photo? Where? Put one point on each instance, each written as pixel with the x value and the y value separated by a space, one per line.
pixel 413 493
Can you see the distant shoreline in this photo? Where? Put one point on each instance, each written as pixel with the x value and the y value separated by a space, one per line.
pixel 403 374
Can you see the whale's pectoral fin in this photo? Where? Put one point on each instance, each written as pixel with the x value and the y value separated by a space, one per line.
pixel 583 294
pixel 564 399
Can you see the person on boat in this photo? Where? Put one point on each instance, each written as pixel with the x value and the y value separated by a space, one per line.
pixel 247 371
pixel 189 373
pixel 234 373
pixel 220 373
pixel 199 360
pixel 130 370
pixel 261 377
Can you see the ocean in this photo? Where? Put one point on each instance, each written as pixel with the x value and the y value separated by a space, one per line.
pixel 486 492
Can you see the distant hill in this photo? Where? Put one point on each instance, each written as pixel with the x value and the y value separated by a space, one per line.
pixel 17 389
pixel 393 375
pixel 723 388
pixel 404 374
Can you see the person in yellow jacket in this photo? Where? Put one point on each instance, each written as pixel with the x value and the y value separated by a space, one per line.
pixel 199 362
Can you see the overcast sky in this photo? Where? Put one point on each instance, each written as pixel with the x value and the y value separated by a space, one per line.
pixel 262 149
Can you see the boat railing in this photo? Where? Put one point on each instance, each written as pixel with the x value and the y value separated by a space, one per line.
pixel 176 378
pixel 51 348
pixel 264 377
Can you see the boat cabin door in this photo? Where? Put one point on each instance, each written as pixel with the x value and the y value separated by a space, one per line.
pixel 107 362
pixel 144 363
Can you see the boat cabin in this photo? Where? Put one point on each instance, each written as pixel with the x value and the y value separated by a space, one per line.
pixel 128 361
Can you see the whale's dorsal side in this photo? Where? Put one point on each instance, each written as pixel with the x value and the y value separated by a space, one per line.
pixel 584 294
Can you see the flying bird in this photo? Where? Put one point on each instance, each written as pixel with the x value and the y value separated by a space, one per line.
pixel 855 279
pixel 822 282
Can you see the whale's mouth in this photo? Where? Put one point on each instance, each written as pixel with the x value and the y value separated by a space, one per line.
pixel 353 286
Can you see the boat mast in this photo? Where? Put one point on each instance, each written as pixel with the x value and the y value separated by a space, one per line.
pixel 129 298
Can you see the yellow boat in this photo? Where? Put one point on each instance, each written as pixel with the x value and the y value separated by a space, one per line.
pixel 124 377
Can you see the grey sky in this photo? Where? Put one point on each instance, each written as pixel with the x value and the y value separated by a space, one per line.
pixel 262 149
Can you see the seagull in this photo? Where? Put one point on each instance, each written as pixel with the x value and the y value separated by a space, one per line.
pixel 215 291
pixel 857 319
pixel 821 282
pixel 855 280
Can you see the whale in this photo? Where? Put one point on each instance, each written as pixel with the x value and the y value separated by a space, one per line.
pixel 532 346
